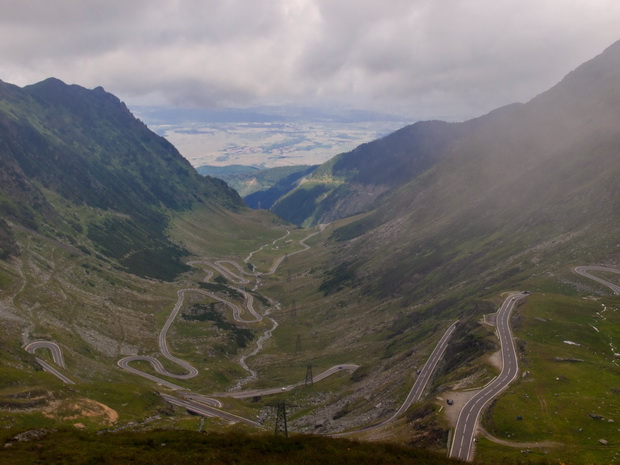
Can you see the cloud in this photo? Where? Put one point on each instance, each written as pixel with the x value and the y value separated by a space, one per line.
pixel 420 57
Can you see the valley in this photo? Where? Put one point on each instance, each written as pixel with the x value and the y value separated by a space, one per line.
pixel 229 406
pixel 205 405
pixel 447 287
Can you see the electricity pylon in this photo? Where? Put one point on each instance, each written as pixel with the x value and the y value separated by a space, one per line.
pixel 281 426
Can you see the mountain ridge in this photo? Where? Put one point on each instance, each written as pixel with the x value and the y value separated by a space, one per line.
pixel 511 200
pixel 531 168
pixel 86 147
pixel 556 111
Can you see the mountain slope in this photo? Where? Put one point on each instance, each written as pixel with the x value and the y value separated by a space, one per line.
pixel 260 188
pixel 509 201
pixel 274 182
pixel 351 182
pixel 582 109
pixel 99 219
pixel 86 150
pixel 524 185
pixel 467 212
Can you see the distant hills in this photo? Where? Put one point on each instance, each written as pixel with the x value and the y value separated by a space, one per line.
pixel 431 224
pixel 352 182
pixel 480 202
pixel 260 188
pixel 564 130
pixel 75 163
pixel 259 114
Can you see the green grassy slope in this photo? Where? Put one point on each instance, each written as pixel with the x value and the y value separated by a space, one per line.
pixel 269 185
pixel 551 150
pixel 568 394
pixel 258 185
pixel 350 182
pixel 99 218
pixel 517 199
pixel 531 185
pixel 76 162
pixel 174 447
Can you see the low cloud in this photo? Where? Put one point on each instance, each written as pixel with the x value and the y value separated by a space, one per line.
pixel 419 57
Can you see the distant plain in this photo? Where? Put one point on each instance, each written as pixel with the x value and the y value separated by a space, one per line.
pixel 265 140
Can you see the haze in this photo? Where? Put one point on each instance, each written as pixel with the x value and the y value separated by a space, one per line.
pixel 423 58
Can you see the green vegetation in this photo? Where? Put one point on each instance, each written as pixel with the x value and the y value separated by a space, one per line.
pixel 8 246
pixel 145 252
pixel 218 232
pixel 225 172
pixel 347 184
pixel 451 217
pixel 337 278
pixel 269 185
pixel 260 188
pixel 66 147
pixel 223 289
pixel 569 392
pixel 298 205
pixel 200 312
pixel 184 447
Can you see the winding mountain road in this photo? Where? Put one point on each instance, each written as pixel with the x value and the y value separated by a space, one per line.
pixel 467 422
pixel 426 372
pixel 198 403
pixel 56 356
pixel 237 311
pixel 585 272
pixel 204 409
pixel 463 439
pixel 209 406
pixel 270 391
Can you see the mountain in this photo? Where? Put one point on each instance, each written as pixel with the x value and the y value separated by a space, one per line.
pixel 574 116
pixel 99 221
pixel 65 150
pixel 485 200
pixel 432 224
pixel 351 182
pixel 260 188
pixel 439 222
pixel 226 172
pixel 268 185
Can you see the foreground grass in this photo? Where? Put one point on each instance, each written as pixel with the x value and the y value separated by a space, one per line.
pixel 570 389
pixel 182 447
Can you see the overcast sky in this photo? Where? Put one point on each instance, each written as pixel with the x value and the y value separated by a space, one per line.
pixel 423 58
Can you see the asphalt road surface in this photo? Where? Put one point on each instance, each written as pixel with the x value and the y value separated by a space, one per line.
pixel 198 403
pixel 426 372
pixel 419 386
pixel 270 391
pixel 199 408
pixel 56 356
pixel 585 271
pixel 467 423
pixel 190 371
